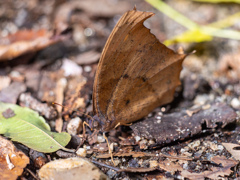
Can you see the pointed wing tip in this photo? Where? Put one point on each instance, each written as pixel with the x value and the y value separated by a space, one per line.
pixel 149 13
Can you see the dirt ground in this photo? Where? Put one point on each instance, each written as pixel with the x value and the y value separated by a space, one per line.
pixel 64 41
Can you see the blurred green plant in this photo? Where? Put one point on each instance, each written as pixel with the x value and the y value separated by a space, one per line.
pixel 218 1
pixel 196 32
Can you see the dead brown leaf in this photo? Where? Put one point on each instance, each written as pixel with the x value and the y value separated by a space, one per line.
pixel 102 8
pixel 170 166
pixel 230 148
pixel 71 168
pixel 10 94
pixel 88 57
pixel 229 64
pixel 12 160
pixel 25 41
pixel 216 172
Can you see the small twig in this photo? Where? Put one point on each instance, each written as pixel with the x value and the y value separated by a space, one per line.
pixel 64 154
pixel 176 157
pixel 34 176
pixel 107 166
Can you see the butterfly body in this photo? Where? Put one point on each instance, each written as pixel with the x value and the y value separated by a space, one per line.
pixel 136 73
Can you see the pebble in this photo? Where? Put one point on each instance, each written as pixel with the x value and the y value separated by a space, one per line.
pixel 137 138
pixel 81 152
pixel 151 142
pixel 75 126
pixel 143 144
pixel 194 144
pixel 153 164
pixel 235 103
pixel 100 139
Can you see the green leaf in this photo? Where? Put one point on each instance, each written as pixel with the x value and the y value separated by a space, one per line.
pixel 30 129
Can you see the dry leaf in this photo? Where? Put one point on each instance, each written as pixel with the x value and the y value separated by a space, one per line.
pixel 25 41
pixel 229 64
pixel 102 8
pixel 10 94
pixel 230 148
pixel 170 166
pixel 215 172
pixel 12 160
pixel 71 168
pixel 87 58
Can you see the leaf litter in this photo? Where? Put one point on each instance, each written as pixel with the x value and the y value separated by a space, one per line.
pixel 12 160
pixel 192 154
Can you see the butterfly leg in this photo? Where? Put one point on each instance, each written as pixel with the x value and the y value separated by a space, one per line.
pixel 84 128
pixel 109 149
pixel 119 124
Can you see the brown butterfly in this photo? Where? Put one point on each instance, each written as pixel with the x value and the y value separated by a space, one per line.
pixel 136 73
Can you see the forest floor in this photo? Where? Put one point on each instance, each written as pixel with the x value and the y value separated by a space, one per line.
pixel 61 45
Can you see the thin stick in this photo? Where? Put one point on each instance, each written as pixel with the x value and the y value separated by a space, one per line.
pixel 30 172
pixel 105 165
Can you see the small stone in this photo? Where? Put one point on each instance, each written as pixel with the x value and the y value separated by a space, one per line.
pixel 220 147
pixel 187 154
pixel 143 144
pixel 137 138
pixel 235 103
pixel 151 142
pixel 182 150
pixel 194 144
pixel 75 126
pixel 211 145
pixel 185 166
pixel 87 68
pixel 153 164
pixel 100 139
pixel 111 173
pixel 81 152
pixel 201 99
pixel 117 162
